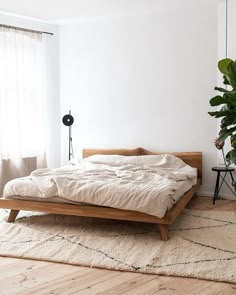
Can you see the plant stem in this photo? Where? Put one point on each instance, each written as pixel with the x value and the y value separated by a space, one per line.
pixel 224 157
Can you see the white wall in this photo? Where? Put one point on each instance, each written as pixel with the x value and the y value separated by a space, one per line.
pixel 231 53
pixel 52 56
pixel 231 29
pixel 143 80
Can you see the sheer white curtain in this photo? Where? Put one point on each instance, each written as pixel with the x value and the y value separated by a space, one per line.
pixel 22 95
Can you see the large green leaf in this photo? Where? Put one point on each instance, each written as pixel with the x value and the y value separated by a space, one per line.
pixel 220 114
pixel 220 89
pixel 223 65
pixel 229 94
pixel 231 156
pixel 224 133
pixel 233 141
pixel 228 98
pixel 226 80
pixel 227 121
pixel 231 76
pixel 217 100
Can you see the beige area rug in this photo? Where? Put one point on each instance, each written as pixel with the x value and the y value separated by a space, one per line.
pixel 202 244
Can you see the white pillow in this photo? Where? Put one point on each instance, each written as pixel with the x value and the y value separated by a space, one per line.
pixel 163 160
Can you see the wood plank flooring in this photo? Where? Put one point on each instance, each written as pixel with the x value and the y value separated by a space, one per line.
pixel 27 277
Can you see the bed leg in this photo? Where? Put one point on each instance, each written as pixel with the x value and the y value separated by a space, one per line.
pixel 12 216
pixel 163 232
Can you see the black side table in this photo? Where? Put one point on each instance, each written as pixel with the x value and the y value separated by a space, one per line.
pixel 218 186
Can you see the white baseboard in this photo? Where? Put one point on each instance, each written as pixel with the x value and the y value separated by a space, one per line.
pixel 222 196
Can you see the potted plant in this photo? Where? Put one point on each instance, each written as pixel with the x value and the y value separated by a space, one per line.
pixel 227 101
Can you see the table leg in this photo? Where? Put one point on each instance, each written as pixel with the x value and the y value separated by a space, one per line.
pixel 216 187
pixel 231 176
pixel 232 180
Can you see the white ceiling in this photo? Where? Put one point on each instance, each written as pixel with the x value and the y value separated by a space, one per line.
pixel 59 10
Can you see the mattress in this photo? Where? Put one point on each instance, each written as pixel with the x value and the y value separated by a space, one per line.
pixel 148 184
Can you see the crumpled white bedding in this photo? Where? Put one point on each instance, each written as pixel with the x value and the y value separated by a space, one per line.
pixel 147 184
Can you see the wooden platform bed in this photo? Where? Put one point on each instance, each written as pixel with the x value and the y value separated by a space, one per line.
pixel 193 159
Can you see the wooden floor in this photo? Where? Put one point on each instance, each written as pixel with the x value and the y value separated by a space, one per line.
pixel 18 276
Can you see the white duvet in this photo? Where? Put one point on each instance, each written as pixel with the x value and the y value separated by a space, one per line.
pixel 141 183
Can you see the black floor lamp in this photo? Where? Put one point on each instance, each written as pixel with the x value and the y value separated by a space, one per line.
pixel 68 120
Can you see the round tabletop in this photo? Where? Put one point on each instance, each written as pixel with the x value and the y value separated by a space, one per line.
pixel 222 169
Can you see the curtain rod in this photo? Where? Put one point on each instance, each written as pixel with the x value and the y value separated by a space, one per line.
pixel 24 29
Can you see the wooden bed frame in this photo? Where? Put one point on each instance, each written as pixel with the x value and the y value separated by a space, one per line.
pixel 193 159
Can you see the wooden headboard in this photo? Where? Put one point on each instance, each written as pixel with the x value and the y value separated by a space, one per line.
pixel 193 159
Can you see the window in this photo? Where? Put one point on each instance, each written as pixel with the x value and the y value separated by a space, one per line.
pixel 22 131
pixel 22 103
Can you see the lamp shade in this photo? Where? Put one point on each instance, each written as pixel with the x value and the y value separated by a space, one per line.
pixel 68 120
